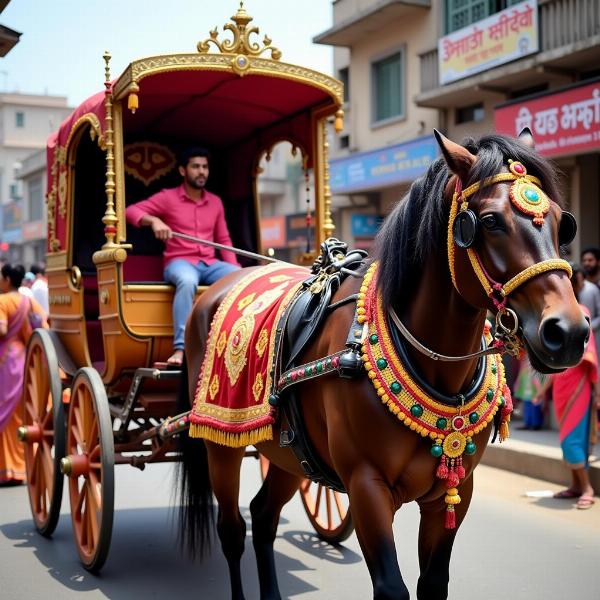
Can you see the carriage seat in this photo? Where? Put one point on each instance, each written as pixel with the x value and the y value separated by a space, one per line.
pixel 143 268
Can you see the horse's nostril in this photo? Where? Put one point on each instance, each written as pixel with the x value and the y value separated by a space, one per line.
pixel 552 334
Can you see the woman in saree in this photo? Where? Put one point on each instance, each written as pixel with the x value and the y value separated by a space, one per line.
pixel 575 394
pixel 18 315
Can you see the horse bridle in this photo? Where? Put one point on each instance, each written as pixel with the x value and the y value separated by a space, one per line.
pixel 527 196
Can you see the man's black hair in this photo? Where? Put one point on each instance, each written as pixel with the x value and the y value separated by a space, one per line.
pixel 188 153
pixel 37 269
pixel 576 268
pixel 591 250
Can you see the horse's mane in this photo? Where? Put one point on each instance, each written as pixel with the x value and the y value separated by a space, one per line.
pixel 417 226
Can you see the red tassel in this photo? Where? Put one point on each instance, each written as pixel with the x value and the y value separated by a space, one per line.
pixel 450 517
pixel 442 470
pixel 453 479
pixel 460 470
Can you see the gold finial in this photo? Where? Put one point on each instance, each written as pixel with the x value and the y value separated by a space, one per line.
pixel 106 56
pixel 240 44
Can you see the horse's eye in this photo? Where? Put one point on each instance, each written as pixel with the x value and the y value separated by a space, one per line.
pixel 490 222
pixel 566 229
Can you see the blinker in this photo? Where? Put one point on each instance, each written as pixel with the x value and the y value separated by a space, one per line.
pixel 567 229
pixel 464 228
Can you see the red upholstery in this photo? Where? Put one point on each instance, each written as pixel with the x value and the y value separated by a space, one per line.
pixel 143 268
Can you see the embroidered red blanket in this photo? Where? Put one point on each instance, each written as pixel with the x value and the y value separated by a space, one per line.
pixel 231 404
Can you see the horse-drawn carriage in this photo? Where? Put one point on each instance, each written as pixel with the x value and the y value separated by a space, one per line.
pixel 97 391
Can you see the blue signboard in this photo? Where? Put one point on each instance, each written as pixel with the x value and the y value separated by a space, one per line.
pixel 365 225
pixel 384 167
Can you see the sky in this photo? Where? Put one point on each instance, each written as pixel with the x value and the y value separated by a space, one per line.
pixel 62 42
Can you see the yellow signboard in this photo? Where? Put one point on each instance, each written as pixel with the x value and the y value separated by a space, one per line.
pixel 505 36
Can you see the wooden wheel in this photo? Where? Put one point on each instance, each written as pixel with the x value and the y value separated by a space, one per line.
pixel 328 511
pixel 43 431
pixel 89 464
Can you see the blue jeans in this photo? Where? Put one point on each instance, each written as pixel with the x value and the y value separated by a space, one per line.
pixel 186 277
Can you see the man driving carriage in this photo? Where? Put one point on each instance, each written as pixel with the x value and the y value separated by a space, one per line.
pixel 191 209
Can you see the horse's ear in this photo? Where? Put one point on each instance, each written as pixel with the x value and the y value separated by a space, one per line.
pixel 526 137
pixel 457 157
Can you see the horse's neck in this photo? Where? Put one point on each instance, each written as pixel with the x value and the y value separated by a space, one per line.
pixel 440 319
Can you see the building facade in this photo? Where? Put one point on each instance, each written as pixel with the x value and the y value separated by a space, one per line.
pixel 26 121
pixel 468 67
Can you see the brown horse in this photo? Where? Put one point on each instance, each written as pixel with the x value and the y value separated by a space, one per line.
pixel 382 463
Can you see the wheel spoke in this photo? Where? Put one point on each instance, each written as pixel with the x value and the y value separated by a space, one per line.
pixel 328 507
pixel 342 510
pixel 318 500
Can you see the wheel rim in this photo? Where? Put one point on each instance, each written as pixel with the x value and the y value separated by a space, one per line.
pixel 327 510
pixel 44 482
pixel 91 490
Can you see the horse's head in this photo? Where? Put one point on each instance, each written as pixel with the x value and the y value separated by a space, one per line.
pixel 505 231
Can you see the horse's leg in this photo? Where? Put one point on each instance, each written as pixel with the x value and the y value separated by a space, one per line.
pixel 224 465
pixel 265 508
pixel 372 506
pixel 435 543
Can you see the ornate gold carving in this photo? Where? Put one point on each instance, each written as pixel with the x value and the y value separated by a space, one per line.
pixel 110 218
pixel 95 129
pixel 137 70
pixel 328 226
pixel 56 262
pixel 59 299
pixel 75 277
pixel 240 44
pixel 104 296
pixel 110 255
pixel 58 165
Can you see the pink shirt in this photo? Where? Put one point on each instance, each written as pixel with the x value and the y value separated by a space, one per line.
pixel 204 218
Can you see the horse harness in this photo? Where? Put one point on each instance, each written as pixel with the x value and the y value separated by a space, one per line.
pixel 311 306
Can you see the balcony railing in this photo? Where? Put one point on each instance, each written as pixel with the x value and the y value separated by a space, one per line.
pixel 561 22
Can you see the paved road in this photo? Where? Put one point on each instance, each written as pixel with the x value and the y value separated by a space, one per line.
pixel 511 546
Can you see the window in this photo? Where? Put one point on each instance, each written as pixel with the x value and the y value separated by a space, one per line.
pixel 344 142
pixel 20 119
pixel 468 114
pixel 388 88
pixel 35 200
pixel 344 77
pixel 13 191
pixel 460 13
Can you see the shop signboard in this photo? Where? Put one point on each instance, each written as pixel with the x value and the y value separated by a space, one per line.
pixel 33 230
pixel 383 167
pixel 566 122
pixel 297 234
pixel 12 215
pixel 11 235
pixel 272 232
pixel 365 226
pixel 505 36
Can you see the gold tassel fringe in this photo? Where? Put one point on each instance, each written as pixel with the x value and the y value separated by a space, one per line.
pixel 504 432
pixel 233 440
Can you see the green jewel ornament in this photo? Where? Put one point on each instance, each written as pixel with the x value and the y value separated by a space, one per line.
pixel 473 418
pixel 381 363
pixel 489 394
pixel 470 448
pixel 494 369
pixel 319 367
pixel 416 410
pixel 396 387
pixel 436 450
pixel 373 338
pixel 502 401
pixel 441 423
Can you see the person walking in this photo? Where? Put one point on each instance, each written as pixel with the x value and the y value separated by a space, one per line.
pixel 19 315
pixel 575 394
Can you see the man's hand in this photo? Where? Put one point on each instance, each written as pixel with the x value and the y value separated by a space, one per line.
pixel 160 229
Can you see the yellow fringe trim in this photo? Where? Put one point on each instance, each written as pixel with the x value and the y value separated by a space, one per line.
pixel 233 440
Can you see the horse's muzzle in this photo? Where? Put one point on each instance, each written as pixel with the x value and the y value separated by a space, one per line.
pixel 559 343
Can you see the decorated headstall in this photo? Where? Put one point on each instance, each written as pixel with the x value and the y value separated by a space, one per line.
pixel 527 196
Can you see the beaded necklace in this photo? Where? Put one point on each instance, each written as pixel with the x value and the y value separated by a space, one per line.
pixel 451 429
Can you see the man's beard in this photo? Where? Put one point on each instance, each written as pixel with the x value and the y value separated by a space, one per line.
pixel 195 183
pixel 591 270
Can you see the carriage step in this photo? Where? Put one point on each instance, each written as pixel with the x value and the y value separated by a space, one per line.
pixel 157 404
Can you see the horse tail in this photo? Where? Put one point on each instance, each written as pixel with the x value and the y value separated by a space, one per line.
pixel 196 512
